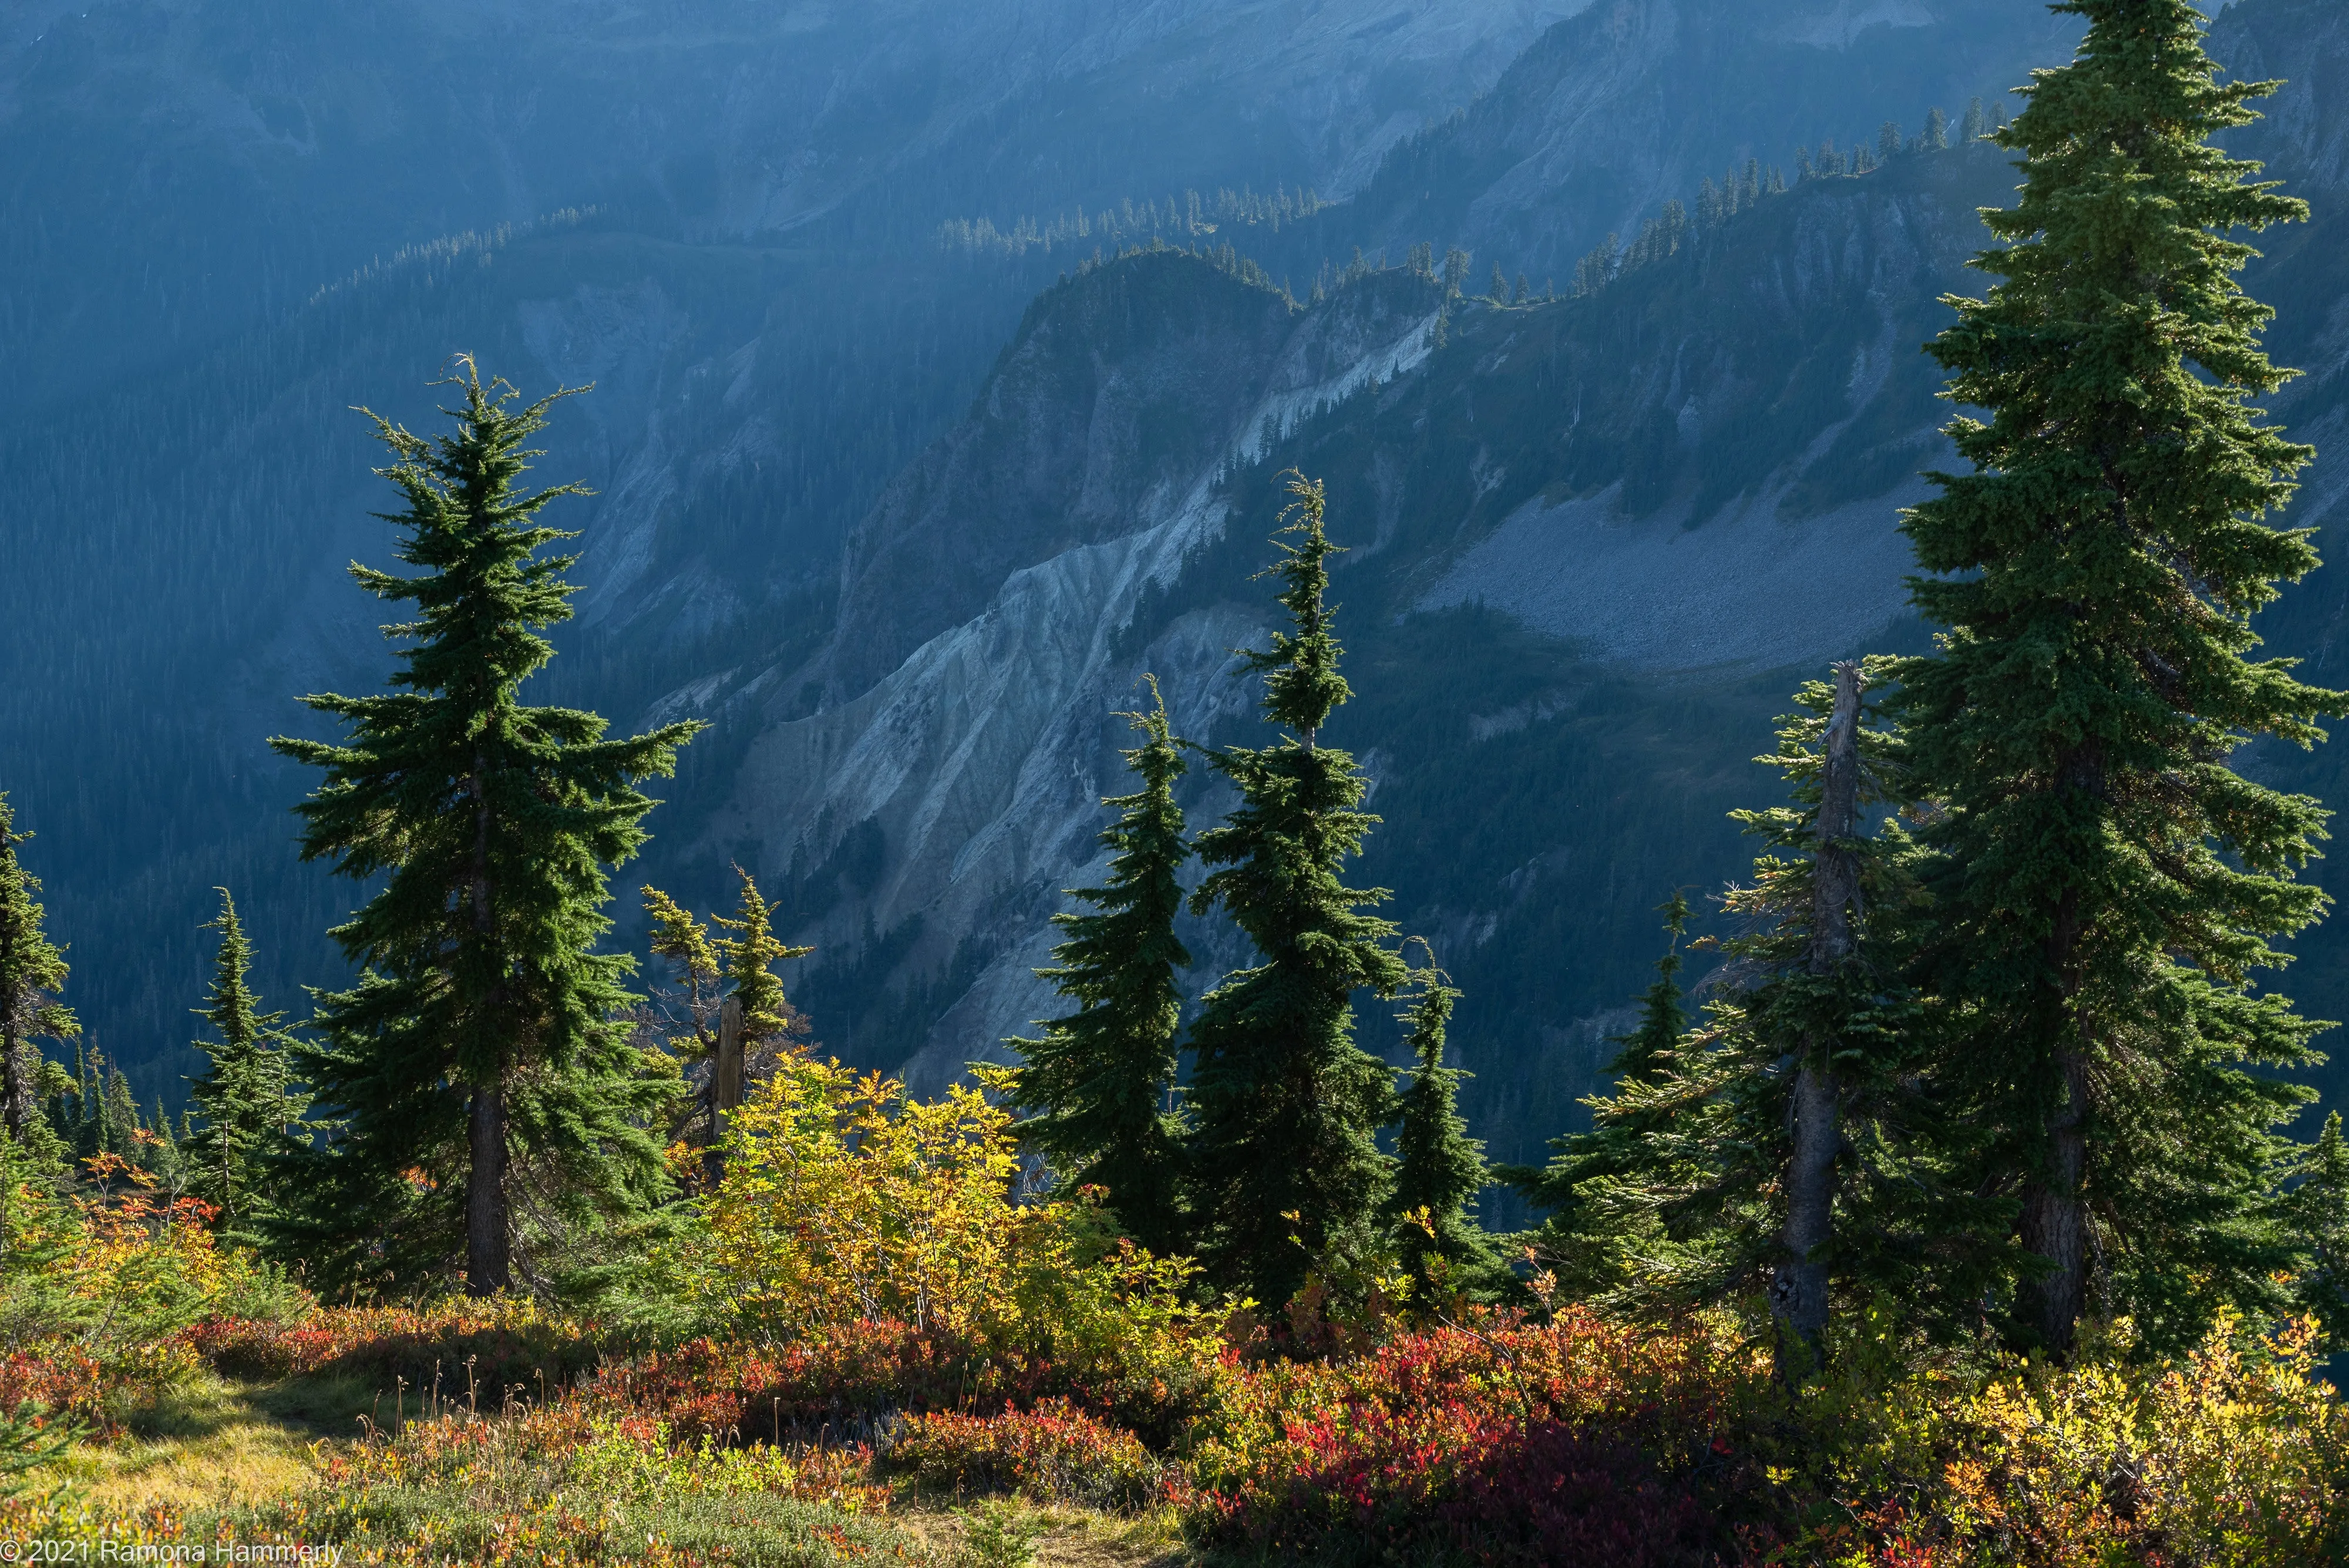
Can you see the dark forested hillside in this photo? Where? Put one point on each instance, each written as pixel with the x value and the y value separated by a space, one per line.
pixel 1593 539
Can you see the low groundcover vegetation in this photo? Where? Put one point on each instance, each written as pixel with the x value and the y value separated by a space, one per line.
pixel 935 1372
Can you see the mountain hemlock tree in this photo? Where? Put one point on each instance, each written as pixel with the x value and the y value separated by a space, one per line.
pixel 1101 1079
pixel 1807 1151
pixel 484 1026
pixel 1439 1168
pixel 2110 884
pixel 1285 1163
pixel 685 1012
pixel 31 971
pixel 1798 1286
pixel 246 1108
pixel 1595 1192
pixel 766 1013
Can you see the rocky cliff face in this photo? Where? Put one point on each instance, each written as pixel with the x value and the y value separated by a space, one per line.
pixel 1078 530
pixel 1615 528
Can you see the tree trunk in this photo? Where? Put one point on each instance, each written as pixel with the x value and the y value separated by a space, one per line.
pixel 2054 1224
pixel 15 1092
pixel 725 1088
pixel 488 1236
pixel 1798 1290
pixel 488 1268
pixel 2055 1216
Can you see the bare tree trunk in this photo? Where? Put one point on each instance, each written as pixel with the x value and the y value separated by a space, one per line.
pixel 487 1261
pixel 488 1235
pixel 2054 1215
pixel 1798 1290
pixel 725 1088
pixel 16 1090
pixel 2054 1225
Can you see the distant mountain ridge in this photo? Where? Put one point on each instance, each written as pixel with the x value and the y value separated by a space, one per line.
pixel 912 592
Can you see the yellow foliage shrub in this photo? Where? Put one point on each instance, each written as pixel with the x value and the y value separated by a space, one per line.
pixel 845 1200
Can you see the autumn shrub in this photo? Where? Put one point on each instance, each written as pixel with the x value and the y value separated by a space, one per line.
pixel 1507 1443
pixel 847 1203
pixel 99 1290
pixel 1052 1453
pixel 2236 1454
pixel 456 1351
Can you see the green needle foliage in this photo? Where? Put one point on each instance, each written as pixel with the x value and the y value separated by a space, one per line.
pixel 1439 1168
pixel 1599 1192
pixel 1840 1020
pixel 1101 1078
pixel 748 955
pixel 684 1012
pixel 2318 1212
pixel 32 971
pixel 248 1113
pixel 481 1056
pixel 1285 1163
pixel 2108 884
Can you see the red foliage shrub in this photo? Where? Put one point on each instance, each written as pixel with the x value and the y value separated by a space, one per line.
pixel 1055 1453
pixel 465 1349
pixel 1576 1441
pixel 59 1381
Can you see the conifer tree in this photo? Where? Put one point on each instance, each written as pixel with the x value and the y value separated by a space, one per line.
pixel 1801 1149
pixel 31 971
pixel 1101 1079
pixel 485 1029
pixel 1594 1192
pixel 686 1011
pixel 2110 886
pixel 2318 1214
pixel 249 1111
pixel 1284 1161
pixel 748 955
pixel 1439 1168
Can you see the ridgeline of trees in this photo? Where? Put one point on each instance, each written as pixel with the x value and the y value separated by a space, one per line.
pixel 1988 1047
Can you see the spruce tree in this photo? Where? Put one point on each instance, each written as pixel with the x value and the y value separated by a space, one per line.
pixel 1595 1192
pixel 31 971
pixel 2110 885
pixel 1101 1079
pixel 1285 1163
pixel 483 1033
pixel 247 1112
pixel 1439 1168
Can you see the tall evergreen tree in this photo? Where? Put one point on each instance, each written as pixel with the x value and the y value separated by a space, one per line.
pixel 31 971
pixel 1285 1161
pixel 1101 1079
pixel 1798 1151
pixel 1593 1194
pixel 250 1112
pixel 484 1026
pixel 2110 885
pixel 1439 1168
pixel 2318 1210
